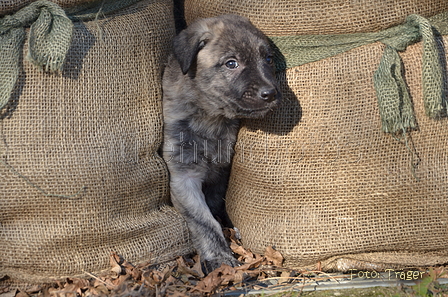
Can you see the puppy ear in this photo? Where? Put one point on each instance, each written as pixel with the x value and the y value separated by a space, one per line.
pixel 186 47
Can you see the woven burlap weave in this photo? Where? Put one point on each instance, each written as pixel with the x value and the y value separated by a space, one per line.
pixel 319 179
pixel 90 133
pixel 305 17
pixel 10 6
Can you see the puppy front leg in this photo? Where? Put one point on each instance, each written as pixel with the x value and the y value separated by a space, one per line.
pixel 189 200
pixel 215 193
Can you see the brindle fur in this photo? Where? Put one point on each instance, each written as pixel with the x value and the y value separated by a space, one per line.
pixel 203 100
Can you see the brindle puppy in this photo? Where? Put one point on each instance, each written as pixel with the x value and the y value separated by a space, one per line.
pixel 221 70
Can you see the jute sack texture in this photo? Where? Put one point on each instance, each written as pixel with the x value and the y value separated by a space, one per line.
pixel 10 6
pixel 289 17
pixel 80 173
pixel 321 181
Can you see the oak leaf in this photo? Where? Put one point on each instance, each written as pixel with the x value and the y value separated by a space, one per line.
pixel 274 256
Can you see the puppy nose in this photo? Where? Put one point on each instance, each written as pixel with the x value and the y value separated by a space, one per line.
pixel 268 94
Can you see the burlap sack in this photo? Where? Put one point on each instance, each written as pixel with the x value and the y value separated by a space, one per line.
pixel 288 17
pixel 10 6
pixel 91 134
pixel 319 179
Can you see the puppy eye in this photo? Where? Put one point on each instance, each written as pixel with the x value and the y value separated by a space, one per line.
pixel 232 64
pixel 270 59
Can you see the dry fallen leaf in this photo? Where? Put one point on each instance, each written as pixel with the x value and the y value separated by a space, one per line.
pixel 195 271
pixel 177 294
pixel 232 235
pixel 214 279
pixel 131 270
pixel 285 277
pixel 75 286
pixel 21 294
pixel 155 278
pixel 198 266
pixel 116 268
pixel 274 256
pixel 246 256
pixel 254 263
pixel 99 290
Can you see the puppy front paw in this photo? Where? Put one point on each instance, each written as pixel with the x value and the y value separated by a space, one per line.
pixel 210 265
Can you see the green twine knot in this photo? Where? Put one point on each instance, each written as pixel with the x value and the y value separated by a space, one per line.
pixel 394 100
pixel 49 40
pixel 395 104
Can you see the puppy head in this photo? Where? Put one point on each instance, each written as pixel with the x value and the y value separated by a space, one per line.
pixel 231 64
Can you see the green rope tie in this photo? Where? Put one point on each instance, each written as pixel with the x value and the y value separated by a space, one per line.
pixel 393 97
pixel 49 40
pixel 432 69
pixel 394 102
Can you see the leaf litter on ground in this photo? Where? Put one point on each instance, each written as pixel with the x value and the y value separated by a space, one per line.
pixel 181 277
